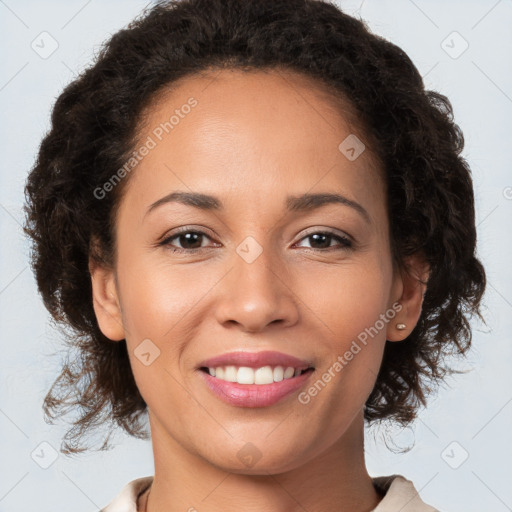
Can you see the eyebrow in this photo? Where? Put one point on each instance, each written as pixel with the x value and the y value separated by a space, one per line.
pixel 302 203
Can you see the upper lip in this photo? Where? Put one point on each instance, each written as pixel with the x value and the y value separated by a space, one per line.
pixel 255 360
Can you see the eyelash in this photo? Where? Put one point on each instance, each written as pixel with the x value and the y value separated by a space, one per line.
pixel 344 241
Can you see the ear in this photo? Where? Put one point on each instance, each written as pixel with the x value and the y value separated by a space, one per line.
pixel 105 301
pixel 409 290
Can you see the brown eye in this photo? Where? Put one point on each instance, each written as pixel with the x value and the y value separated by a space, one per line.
pixel 324 239
pixel 189 240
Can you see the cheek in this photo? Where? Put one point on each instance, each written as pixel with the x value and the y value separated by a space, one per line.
pixel 349 308
pixel 158 304
pixel 347 299
pixel 156 296
pixel 162 303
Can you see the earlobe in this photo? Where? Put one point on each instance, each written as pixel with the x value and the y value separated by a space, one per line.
pixel 413 279
pixel 105 301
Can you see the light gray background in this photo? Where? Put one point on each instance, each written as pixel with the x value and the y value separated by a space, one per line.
pixel 474 409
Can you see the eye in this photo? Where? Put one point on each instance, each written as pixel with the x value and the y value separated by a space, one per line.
pixel 324 239
pixel 190 240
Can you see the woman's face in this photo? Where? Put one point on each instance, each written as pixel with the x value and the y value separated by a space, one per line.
pixel 257 270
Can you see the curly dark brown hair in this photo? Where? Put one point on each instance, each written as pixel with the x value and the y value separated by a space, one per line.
pixel 93 131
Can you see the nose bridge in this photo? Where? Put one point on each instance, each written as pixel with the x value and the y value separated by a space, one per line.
pixel 256 292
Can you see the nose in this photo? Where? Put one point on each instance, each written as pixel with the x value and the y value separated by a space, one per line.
pixel 257 294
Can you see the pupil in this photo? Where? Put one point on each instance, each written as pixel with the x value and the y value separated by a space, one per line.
pixel 324 236
pixel 188 237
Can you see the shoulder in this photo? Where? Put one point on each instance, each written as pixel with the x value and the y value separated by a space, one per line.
pixel 126 500
pixel 399 493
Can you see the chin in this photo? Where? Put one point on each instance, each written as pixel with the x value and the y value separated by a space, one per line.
pixel 251 460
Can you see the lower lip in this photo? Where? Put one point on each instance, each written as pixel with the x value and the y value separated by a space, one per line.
pixel 254 395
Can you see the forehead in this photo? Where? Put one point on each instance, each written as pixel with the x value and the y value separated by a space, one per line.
pixel 248 134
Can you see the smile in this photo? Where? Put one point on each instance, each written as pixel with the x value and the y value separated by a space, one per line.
pixel 255 395
pixel 259 376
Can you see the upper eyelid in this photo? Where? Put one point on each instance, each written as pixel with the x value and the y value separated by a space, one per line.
pixel 332 231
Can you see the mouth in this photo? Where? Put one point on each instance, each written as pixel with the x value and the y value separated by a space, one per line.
pixel 255 379
pixel 259 376
pixel 255 387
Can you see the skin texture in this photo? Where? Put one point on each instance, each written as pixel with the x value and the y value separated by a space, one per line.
pixel 253 139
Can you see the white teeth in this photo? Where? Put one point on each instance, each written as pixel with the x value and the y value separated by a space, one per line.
pixel 246 375
pixel 230 374
pixel 278 373
pixel 264 375
pixel 288 373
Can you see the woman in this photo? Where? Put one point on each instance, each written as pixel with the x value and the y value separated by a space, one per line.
pixel 331 263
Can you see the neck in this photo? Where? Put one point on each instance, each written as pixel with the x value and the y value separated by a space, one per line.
pixel 336 479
